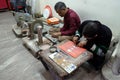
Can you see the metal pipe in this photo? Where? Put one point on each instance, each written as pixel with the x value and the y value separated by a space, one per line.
pixel 39 30
pixel 31 33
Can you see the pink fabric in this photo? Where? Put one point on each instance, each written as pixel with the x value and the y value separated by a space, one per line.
pixel 3 4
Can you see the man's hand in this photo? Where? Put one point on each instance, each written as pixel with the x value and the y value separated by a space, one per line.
pixel 56 35
pixel 82 43
pixel 75 39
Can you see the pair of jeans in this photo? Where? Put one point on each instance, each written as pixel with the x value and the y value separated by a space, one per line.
pixel 97 61
pixel 16 3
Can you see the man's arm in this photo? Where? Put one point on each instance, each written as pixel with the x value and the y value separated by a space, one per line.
pixel 73 27
pixel 99 49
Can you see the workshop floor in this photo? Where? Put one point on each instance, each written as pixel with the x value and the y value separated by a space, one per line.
pixel 16 62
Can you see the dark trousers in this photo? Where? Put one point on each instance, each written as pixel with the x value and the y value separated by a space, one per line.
pixel 16 3
pixel 97 61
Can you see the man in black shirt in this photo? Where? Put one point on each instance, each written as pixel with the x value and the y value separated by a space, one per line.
pixel 96 38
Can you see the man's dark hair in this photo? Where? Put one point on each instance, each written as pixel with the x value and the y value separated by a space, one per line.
pixel 91 28
pixel 59 6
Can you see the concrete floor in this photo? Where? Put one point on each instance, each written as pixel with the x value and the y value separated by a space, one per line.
pixel 16 62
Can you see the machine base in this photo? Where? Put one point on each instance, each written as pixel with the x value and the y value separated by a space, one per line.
pixel 18 32
pixel 34 47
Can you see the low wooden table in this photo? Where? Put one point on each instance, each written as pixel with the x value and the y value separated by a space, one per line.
pixel 58 70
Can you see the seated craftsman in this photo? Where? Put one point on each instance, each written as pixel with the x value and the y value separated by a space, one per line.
pixel 71 22
pixel 96 38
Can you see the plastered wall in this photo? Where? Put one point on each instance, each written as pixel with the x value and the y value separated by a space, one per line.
pixel 106 11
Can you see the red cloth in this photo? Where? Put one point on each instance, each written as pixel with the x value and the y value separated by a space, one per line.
pixel 71 23
pixel 70 48
pixel 3 4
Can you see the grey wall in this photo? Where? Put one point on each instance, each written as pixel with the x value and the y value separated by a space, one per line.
pixel 106 11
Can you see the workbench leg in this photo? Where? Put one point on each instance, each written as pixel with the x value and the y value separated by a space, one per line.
pixel 44 64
